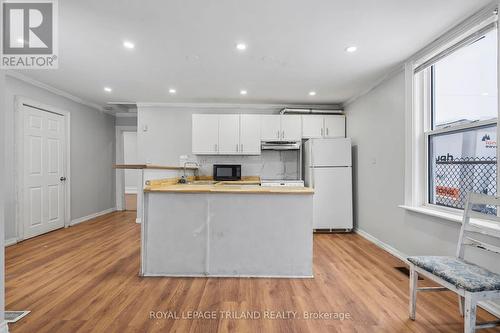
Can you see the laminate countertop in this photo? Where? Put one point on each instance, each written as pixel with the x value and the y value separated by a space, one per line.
pixel 226 187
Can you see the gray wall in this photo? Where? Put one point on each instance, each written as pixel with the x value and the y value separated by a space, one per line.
pixel 376 124
pixel 92 153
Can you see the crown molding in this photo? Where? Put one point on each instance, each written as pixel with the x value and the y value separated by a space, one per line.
pixel 54 90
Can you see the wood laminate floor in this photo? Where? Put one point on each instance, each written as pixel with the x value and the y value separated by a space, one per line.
pixel 84 279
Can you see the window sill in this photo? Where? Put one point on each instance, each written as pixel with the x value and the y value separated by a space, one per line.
pixel 457 218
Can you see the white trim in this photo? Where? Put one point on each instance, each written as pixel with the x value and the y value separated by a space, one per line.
pixel 10 241
pixel 4 327
pixel 19 159
pixel 91 216
pixel 384 246
pixel 138 220
pixel 119 173
pixel 130 189
pixel 54 90
pixel 232 105
pixel 490 306
pixel 448 216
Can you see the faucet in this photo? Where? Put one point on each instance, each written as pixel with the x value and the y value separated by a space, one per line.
pixel 183 179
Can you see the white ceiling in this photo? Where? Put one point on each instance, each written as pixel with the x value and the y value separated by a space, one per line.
pixel 293 47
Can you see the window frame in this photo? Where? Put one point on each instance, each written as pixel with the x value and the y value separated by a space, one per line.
pixel 419 119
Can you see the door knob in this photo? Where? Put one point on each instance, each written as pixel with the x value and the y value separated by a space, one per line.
pixel 62 179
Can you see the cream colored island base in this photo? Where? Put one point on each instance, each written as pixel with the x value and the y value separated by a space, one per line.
pixel 226 234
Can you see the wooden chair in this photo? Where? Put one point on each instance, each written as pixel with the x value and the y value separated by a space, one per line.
pixel 472 283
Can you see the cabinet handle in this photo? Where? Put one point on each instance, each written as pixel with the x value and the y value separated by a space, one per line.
pixel 278 134
pixel 215 147
pixel 321 131
pixel 327 131
pixel 236 147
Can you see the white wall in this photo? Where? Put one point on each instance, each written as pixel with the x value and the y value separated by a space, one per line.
pixel 168 136
pixel 92 153
pixel 130 157
pixel 377 126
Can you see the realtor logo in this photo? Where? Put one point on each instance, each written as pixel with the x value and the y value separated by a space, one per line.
pixel 29 34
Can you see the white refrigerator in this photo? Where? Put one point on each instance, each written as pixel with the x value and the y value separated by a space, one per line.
pixel 328 169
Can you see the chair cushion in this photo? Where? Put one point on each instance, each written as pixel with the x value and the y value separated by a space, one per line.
pixel 460 273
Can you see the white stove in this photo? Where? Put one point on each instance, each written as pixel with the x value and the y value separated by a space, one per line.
pixel 290 183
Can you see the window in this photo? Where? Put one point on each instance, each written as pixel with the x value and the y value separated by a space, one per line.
pixel 460 123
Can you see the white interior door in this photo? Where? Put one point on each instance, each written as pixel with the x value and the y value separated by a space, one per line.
pixel 250 134
pixel 44 171
pixel 229 134
pixel 332 198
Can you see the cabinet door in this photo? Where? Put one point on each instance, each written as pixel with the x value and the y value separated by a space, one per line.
pixel 250 134
pixel 291 127
pixel 335 126
pixel 205 134
pixel 270 127
pixel 229 134
pixel 312 126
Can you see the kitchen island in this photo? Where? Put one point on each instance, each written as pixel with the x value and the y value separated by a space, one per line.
pixel 227 230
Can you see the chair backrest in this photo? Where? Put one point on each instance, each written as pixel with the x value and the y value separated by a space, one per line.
pixel 480 217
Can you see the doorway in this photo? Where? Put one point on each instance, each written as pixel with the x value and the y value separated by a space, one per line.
pixel 131 175
pixel 42 184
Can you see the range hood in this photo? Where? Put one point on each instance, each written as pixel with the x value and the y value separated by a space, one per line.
pixel 280 145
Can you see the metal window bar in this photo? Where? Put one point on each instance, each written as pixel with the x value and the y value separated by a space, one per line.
pixel 455 178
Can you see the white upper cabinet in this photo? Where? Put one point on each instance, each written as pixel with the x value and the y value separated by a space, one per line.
pixel 312 126
pixel 291 127
pixel 335 126
pixel 226 134
pixel 205 133
pixel 281 128
pixel 270 127
pixel 249 134
pixel 319 126
pixel 229 134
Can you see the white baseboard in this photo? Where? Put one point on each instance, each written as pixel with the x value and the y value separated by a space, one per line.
pixel 492 307
pixel 384 246
pixel 4 328
pixel 138 220
pixel 91 216
pixel 10 241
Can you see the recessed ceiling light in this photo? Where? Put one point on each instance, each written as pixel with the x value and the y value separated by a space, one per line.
pixel 128 45
pixel 351 49
pixel 172 91
pixel 243 92
pixel 108 89
pixel 485 94
pixel 312 93
pixel 241 46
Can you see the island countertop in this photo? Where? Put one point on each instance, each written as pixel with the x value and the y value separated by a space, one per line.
pixel 224 187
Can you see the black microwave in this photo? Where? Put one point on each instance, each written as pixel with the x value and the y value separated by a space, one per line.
pixel 227 172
